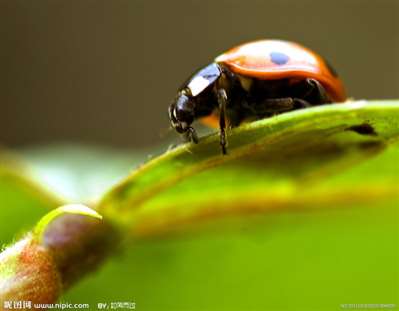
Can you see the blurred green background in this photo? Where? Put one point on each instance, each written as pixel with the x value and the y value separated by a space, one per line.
pixel 105 71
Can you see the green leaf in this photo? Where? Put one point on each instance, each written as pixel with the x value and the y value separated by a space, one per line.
pixel 271 163
pixel 301 215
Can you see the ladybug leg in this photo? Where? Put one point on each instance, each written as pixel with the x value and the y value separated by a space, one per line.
pixel 273 106
pixel 191 135
pixel 313 92
pixel 301 103
pixel 222 100
pixel 319 91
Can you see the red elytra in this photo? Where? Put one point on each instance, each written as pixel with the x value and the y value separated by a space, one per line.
pixel 253 60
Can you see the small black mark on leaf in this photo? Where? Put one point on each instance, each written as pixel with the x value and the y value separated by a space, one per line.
pixel 363 129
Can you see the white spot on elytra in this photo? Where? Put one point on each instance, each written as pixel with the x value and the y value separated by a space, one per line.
pixel 197 85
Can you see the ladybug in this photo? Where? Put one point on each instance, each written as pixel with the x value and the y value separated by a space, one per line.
pixel 252 81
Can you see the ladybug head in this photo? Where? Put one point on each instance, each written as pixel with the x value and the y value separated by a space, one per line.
pixel 182 114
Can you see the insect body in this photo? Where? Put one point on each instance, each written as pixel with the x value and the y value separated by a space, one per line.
pixel 253 81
